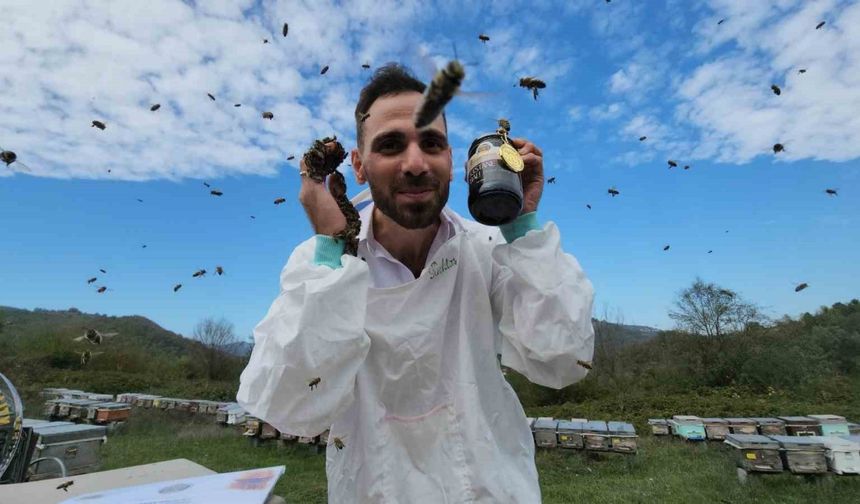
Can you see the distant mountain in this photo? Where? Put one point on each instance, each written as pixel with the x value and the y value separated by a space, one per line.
pixel 135 332
pixel 622 333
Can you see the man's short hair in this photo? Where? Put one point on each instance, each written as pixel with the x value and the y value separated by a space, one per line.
pixel 389 79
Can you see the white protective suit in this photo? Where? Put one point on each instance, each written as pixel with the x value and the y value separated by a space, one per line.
pixel 409 375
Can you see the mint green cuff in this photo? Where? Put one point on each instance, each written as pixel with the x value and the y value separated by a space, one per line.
pixel 328 251
pixel 520 226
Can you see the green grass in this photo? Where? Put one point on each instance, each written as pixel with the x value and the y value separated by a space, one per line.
pixel 664 470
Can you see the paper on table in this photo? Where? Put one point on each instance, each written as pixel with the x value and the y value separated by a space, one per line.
pixel 242 487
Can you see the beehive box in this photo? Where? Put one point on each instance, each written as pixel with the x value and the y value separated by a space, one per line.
pixel 716 429
pixel 843 455
pixel 595 436
pixel 106 413
pixel 545 430
pixel 853 429
pixel 742 426
pixel 801 426
pixel 127 397
pixel 286 436
pixel 252 426
pixel 183 405
pixel 831 425
pixel 99 397
pixel 77 446
pixel 756 452
pixel 267 431
pixel 51 408
pixel 770 426
pixel 688 427
pixel 569 434
pixel 802 454
pixel 622 437
pixel 659 426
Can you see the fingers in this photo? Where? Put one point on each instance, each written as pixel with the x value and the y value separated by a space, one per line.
pixel 523 146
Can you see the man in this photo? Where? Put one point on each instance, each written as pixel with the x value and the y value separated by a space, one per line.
pixel 396 350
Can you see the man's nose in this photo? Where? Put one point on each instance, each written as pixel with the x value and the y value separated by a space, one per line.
pixel 414 162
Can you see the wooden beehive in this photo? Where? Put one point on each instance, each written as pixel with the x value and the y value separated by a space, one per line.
pixel 595 436
pixel 756 452
pixel 622 437
pixel 802 454
pixel 801 426
pixel 843 455
pixel 688 427
pixel 267 431
pixel 770 426
pixel 569 434
pixel 742 426
pixel 716 429
pixel 112 412
pixel 545 432
pixel 659 426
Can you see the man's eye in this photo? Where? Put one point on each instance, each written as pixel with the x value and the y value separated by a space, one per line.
pixel 389 146
pixel 433 145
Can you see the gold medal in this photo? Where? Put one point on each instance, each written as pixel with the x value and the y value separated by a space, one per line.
pixel 511 158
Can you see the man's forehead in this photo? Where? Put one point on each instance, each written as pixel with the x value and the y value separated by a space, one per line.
pixel 396 112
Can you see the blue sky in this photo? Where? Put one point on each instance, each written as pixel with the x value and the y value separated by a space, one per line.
pixel 699 90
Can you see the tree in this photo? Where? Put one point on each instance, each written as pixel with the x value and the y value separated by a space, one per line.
pixel 709 310
pixel 215 336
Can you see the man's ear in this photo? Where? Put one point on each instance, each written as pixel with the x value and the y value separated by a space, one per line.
pixel 357 167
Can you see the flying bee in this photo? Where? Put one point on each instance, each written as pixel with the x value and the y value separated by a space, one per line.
pixel 98 124
pixel 87 356
pixel 65 486
pixel 10 157
pixel 290 158
pixel 721 21
pixel 365 66
pixel 442 88
pixel 831 192
pixel 139 200
pixel 103 271
pixel 585 364
pixel 91 280
pixel 199 273
pixel 775 89
pixel 253 217
pixel 483 38
pixel 800 287
pixel 686 167
pixel 286 29
pixel 665 248
pixel 505 124
pixel 710 251
pixel 219 270
pixel 211 96
pixel 550 180
pixel 362 116
pixel 268 115
pixel 95 337
pixel 265 41
pixel 237 104
pixel 802 71
pixel 324 70
pixel 101 289
pixel 214 192
pixel 777 148
pixel 206 184
pixel 338 443
pixel 613 192
pixel 313 383
pixel 819 25
pixel 177 287
pixel 672 164
pixel 532 83
pixel 143 246
pixel 588 206
pixel 278 201
pixel 643 138
pixel 155 107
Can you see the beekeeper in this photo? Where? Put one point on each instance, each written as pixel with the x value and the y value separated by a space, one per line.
pixel 395 350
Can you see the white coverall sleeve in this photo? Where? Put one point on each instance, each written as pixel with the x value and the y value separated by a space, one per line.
pixel 313 330
pixel 542 304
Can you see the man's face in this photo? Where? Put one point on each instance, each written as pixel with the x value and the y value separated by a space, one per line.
pixel 408 170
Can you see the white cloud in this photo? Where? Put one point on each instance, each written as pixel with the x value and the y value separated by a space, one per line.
pixel 80 61
pixel 606 112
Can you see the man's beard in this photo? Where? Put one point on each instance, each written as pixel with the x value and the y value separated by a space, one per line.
pixel 412 214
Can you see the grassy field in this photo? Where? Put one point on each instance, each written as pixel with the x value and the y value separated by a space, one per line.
pixel 665 470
